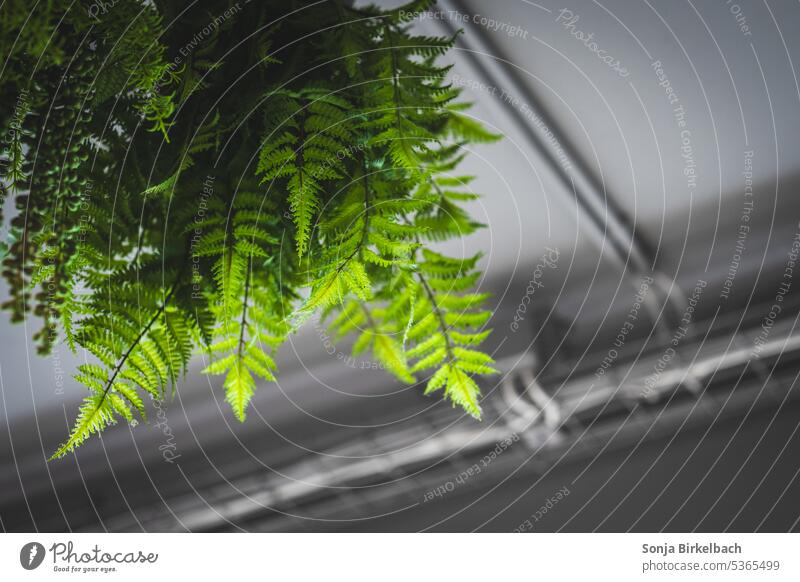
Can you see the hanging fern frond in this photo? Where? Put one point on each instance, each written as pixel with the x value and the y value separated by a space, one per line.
pixel 446 339
pixel 249 325
pixel 181 194
pixel 145 355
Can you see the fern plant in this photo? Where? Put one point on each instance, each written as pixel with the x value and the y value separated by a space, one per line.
pixel 206 179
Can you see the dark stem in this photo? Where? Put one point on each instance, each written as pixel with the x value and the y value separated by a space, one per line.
pixel 366 204
pixel 127 354
pixel 244 309
pixel 439 316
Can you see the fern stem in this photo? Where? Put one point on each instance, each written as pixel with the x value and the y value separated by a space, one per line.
pixel 365 231
pixel 436 309
pixel 129 351
pixel 359 249
pixel 371 320
pixel 439 316
pixel 398 105
pixel 244 309
pixel 436 187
